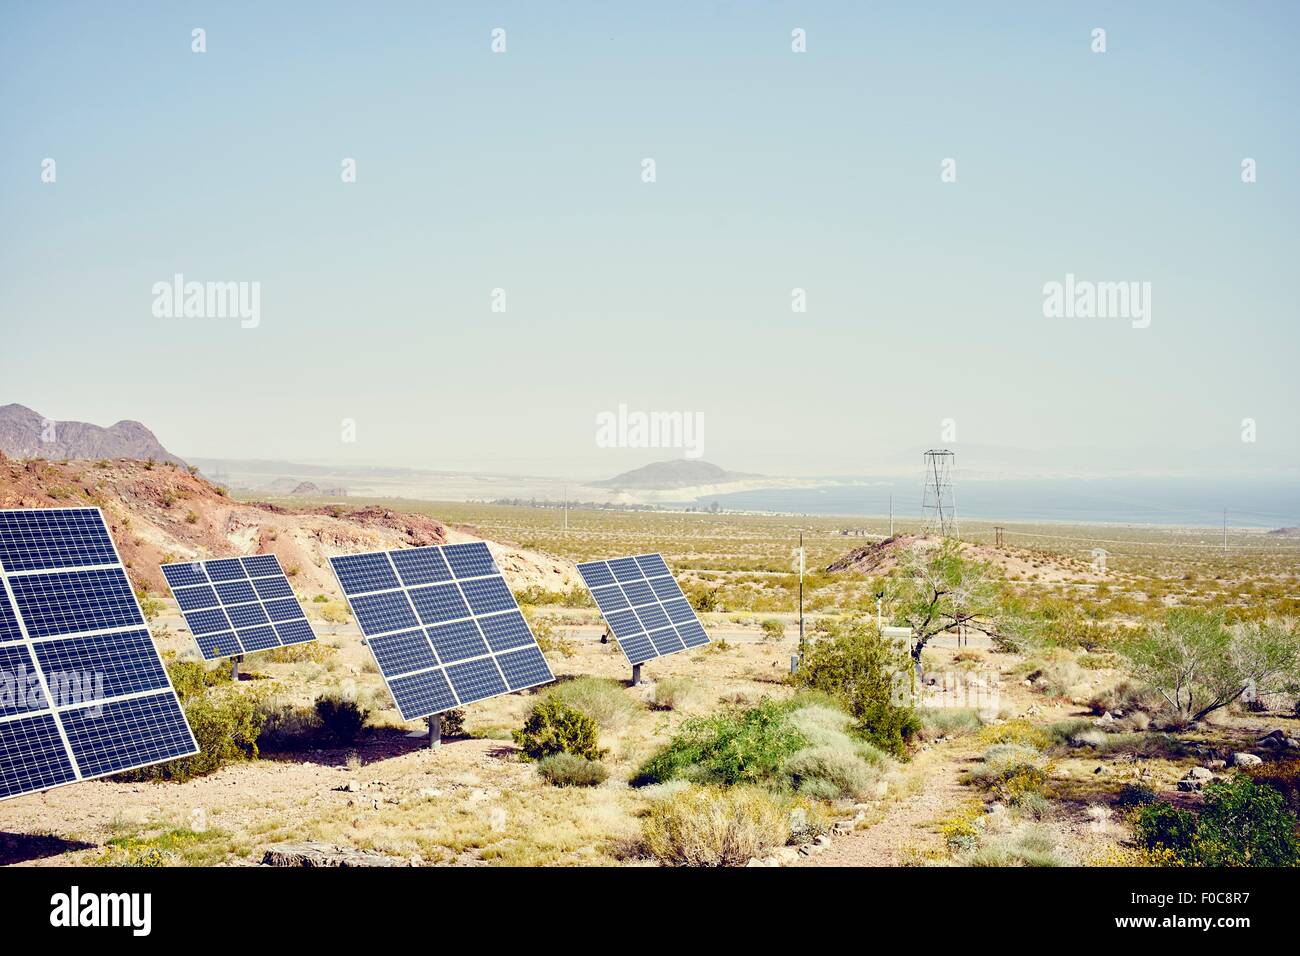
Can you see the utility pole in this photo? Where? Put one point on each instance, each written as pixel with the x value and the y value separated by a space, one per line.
pixel 938 499
pixel 801 594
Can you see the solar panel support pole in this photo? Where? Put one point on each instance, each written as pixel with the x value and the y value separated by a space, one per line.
pixel 435 731
pixel 234 667
pixel 636 675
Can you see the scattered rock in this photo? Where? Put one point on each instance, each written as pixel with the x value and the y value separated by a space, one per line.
pixel 1217 764
pixel 1106 718
pixel 1246 760
pixel 1195 779
pixel 314 854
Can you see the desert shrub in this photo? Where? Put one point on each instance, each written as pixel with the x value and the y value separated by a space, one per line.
pixel 1056 674
pixel 676 693
pixel 939 722
pixel 193 678
pixel 287 726
pixel 1284 777
pixel 568 770
pixel 1019 731
pixel 603 699
pixel 854 665
pixel 808 821
pixel 342 719
pixel 1065 731
pixel 309 652
pixel 1135 795
pixel 335 612
pixel 711 826
pixel 226 725
pixel 1162 826
pixel 453 723
pixel 1244 823
pixel 1125 697
pixel 1199 663
pixel 831 772
pixel 553 727
pixel 701 596
pixel 736 746
pixel 1029 845
pixel 550 638
pixel 773 629
pixel 1010 770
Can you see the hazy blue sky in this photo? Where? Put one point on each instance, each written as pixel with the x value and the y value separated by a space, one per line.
pixel 775 170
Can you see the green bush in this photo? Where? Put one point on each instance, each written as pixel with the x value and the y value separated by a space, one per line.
pixel 850 662
pixel 567 770
pixel 193 678
pixel 287 726
pixel 603 699
pixel 553 727
pixel 1136 795
pixel 1244 823
pixel 1162 826
pixel 226 726
pixel 709 826
pixel 342 719
pixel 773 629
pixel 736 746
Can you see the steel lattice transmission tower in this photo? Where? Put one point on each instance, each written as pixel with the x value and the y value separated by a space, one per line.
pixel 938 499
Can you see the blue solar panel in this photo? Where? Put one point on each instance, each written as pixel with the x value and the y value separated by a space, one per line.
pixel 382 613
pixel 225 569
pixel 525 668
pixel 488 596
pixel 32 756
pixel 468 617
pixel 643 606
pixel 195 599
pixel 238 614
pixel 422 694
pixel 106 738
pixel 72 602
pixel 9 630
pixel 79 670
pixel 184 575
pixel 20 684
pixel 439 602
pixel 596 574
pixel 421 566
pixel 362 573
pixel 506 631
pixel 261 565
pixel 476 680
pixel 85 692
pixel 403 653
pixel 458 641
pixel 50 538
pixel 470 560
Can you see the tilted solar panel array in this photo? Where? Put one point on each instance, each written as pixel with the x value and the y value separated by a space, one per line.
pixel 442 625
pixel 643 606
pixel 84 691
pixel 238 605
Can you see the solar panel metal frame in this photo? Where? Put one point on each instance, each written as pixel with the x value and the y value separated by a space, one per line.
pixel 636 640
pixel 53 711
pixel 202 579
pixel 371 579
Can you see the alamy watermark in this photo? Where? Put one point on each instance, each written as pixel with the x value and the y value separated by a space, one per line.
pixel 632 429
pixel 180 299
pixel 21 690
pixel 1085 299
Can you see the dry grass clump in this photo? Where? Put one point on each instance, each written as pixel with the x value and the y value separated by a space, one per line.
pixel 677 693
pixel 937 722
pixel 713 826
pixel 569 770
pixel 603 699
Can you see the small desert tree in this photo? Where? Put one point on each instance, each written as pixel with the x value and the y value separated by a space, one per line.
pixel 1199 664
pixel 940 590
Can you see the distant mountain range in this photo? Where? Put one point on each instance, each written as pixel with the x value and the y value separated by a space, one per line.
pixel 669 475
pixel 25 433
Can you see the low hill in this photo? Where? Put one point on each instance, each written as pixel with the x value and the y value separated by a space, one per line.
pixel 669 475
pixel 885 556
pixel 160 513
pixel 25 433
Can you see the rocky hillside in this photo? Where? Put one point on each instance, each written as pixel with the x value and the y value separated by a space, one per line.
pixel 667 475
pixel 885 556
pixel 160 513
pixel 25 433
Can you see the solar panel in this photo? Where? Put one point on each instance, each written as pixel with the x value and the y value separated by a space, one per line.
pixel 85 693
pixel 442 626
pixel 643 606
pixel 237 606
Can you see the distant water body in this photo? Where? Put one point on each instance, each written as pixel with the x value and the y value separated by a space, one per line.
pixel 1192 502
